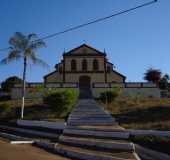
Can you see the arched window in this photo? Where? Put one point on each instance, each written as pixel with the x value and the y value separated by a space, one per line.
pixel 73 65
pixel 108 69
pixel 95 65
pixel 84 65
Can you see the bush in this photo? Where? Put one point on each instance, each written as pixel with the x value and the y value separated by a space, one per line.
pixel 5 98
pixel 5 108
pixel 61 101
pixel 109 96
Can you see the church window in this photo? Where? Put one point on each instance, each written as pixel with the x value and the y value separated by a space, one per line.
pixel 95 65
pixel 73 65
pixel 84 65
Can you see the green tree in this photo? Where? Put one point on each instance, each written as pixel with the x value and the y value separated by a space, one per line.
pixel 9 83
pixel 24 47
pixel 153 75
pixel 164 82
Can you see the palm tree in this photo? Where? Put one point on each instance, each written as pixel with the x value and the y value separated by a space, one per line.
pixel 24 47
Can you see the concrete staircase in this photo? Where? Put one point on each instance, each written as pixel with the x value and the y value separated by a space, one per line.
pixel 87 113
pixel 92 134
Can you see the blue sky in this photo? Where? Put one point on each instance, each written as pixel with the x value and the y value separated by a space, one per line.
pixel 133 42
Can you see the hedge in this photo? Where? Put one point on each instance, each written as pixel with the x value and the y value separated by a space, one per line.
pixel 61 101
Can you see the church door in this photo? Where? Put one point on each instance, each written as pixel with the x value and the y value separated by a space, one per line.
pixel 84 82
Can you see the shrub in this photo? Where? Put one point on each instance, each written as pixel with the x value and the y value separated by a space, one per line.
pixel 5 108
pixel 109 96
pixel 5 98
pixel 61 101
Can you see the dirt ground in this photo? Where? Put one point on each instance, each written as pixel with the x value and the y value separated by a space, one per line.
pixel 24 152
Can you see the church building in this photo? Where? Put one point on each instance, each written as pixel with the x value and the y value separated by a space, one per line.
pixel 84 66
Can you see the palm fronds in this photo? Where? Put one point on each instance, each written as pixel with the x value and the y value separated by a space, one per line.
pixel 38 61
pixel 8 60
pixel 24 46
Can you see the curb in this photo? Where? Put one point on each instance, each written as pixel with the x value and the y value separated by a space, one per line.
pixel 43 124
pixel 29 131
pixel 13 139
pixel 148 153
pixel 148 132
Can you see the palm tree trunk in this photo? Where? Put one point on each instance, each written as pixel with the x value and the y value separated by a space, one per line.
pixel 23 88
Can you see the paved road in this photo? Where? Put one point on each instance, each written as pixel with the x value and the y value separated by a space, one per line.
pixel 25 152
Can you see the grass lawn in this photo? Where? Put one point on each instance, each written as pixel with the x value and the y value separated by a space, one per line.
pixel 34 110
pixel 131 112
pixel 141 113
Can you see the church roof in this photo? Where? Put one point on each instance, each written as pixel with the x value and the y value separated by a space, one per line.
pixel 119 74
pixel 84 50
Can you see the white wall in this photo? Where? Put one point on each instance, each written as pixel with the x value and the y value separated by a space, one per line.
pixel 33 93
pixel 128 89
pixel 30 93
pixel 144 92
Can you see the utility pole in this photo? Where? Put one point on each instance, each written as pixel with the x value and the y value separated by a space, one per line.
pixel 105 74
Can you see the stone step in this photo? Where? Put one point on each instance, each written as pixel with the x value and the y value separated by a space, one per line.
pixel 93 116
pixel 96 119
pixel 90 118
pixel 98 144
pixel 90 122
pixel 84 154
pixel 114 128
pixel 90 106
pixel 88 113
pixel 97 123
pixel 87 103
pixel 97 134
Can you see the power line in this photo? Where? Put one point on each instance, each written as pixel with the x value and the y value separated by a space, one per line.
pixel 92 22
pixel 98 20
